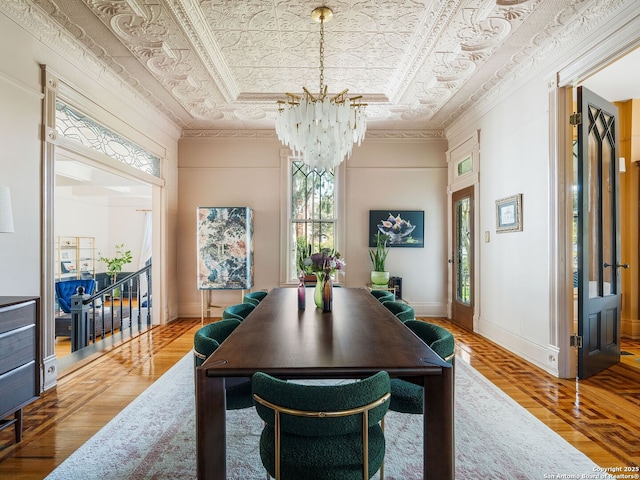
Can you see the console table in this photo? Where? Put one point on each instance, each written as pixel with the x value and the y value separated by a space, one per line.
pixel 19 358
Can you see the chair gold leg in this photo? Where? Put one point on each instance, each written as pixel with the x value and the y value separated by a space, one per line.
pixel 277 447
pixel 365 445
pixel 382 466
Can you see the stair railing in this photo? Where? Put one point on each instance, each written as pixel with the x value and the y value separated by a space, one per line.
pixel 114 310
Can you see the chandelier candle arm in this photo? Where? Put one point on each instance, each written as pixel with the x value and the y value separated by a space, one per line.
pixel 321 129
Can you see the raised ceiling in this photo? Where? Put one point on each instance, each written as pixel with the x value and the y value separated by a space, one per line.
pixel 419 64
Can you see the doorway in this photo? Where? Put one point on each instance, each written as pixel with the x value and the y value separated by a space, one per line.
pixel 462 265
pixel 94 209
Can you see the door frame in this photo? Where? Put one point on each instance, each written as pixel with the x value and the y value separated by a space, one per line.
pixel 54 87
pixel 560 86
pixel 462 314
pixel 462 174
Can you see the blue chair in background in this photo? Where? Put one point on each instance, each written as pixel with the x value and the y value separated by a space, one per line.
pixel 66 288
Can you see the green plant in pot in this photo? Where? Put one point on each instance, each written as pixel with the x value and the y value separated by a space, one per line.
pixel 115 264
pixel 303 251
pixel 379 276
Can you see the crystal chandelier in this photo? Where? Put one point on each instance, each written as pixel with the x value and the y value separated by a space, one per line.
pixel 322 129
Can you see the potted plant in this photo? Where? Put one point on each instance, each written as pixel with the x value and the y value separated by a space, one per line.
pixel 303 251
pixel 379 276
pixel 115 264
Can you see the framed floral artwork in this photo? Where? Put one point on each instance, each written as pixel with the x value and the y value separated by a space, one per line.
pixel 225 248
pixel 509 214
pixel 405 228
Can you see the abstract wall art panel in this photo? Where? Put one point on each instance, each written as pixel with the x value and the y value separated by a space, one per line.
pixel 225 248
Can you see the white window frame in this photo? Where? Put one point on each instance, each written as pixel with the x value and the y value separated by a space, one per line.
pixel 287 247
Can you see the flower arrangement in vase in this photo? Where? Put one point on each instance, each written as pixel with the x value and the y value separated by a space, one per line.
pixel 324 265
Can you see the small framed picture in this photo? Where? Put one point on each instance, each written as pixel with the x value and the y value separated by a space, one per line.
pixel 509 214
pixel 67 267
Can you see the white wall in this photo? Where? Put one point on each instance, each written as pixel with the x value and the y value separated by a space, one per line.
pixel 20 120
pixel 514 267
pixel 401 176
pixel 20 161
pixel 111 103
pixel 19 170
pixel 232 172
pixel 106 220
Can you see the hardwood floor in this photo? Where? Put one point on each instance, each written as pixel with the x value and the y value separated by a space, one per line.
pixel 599 416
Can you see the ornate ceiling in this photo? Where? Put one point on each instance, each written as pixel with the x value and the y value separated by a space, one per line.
pixel 419 64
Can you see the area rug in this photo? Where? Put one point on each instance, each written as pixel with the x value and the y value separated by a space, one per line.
pixel 154 438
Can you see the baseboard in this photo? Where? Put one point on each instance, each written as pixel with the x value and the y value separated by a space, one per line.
pixel 428 309
pixel 630 328
pixel 543 356
pixel 50 373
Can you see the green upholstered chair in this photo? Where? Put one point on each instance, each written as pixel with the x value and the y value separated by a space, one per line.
pixel 320 430
pixel 383 295
pixel 205 341
pixel 408 397
pixel 254 297
pixel 238 311
pixel 401 310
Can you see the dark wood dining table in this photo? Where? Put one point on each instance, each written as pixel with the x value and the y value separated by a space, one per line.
pixel 358 338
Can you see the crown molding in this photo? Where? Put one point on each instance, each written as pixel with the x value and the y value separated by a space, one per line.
pixel 268 134
pixel 608 48
pixel 43 20
pixel 546 52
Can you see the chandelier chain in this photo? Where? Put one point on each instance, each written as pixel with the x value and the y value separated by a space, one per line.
pixel 321 55
pixel 321 129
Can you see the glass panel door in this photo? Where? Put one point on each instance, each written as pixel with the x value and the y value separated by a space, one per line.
pixel 462 261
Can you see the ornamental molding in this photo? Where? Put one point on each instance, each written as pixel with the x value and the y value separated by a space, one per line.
pixel 259 134
pixel 562 42
pixel 44 20
pixel 420 64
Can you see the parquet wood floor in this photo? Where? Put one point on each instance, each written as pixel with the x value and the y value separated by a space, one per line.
pixel 599 416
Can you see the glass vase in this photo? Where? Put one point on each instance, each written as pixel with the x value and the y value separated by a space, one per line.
pixel 327 293
pixel 317 293
pixel 301 292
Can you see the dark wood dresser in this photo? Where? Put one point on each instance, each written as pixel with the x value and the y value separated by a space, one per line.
pixel 19 358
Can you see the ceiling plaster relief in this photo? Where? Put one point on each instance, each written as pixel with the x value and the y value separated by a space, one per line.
pixel 570 27
pixel 220 64
pixel 254 36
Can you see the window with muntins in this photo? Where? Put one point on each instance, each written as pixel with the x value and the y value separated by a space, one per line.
pixel 313 212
